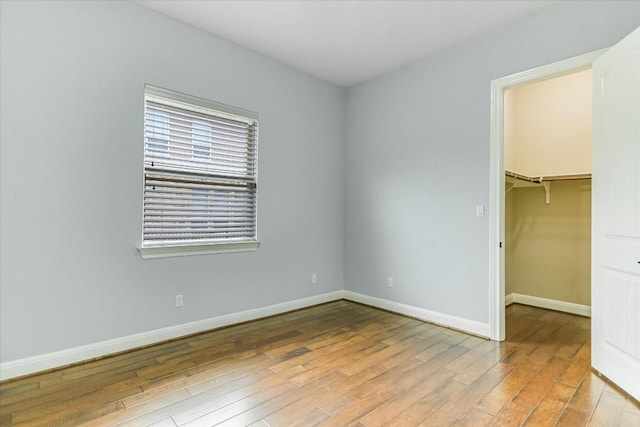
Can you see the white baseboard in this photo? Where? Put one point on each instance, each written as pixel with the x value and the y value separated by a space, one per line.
pixel 30 365
pixel 458 323
pixel 508 299
pixel 56 359
pixel 567 307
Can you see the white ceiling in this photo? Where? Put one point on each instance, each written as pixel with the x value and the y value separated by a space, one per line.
pixel 348 41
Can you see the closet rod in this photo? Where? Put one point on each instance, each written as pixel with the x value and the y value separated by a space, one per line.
pixel 540 179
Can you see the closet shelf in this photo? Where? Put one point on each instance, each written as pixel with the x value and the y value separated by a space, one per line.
pixel 518 180
pixel 541 179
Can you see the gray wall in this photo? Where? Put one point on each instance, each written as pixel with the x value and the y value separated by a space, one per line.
pixel 418 158
pixel 72 78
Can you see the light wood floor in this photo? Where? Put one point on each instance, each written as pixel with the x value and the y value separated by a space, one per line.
pixel 336 364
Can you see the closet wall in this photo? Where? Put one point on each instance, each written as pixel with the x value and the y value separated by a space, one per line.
pixel 548 133
pixel 548 247
pixel 547 126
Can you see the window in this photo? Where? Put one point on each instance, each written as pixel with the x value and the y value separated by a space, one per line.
pixel 200 176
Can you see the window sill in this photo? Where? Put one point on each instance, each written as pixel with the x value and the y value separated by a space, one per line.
pixel 148 252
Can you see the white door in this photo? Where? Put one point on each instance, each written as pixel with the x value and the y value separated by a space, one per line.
pixel 616 215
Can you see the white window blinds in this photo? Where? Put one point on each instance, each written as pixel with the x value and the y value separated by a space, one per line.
pixel 200 171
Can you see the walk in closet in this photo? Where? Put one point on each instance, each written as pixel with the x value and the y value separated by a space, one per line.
pixel 547 159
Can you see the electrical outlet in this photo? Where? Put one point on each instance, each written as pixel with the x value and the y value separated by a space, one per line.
pixel 314 278
pixel 390 282
pixel 179 300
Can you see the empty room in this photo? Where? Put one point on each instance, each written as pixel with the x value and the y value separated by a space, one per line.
pixel 296 213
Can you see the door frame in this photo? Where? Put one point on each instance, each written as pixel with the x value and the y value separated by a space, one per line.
pixel 496 176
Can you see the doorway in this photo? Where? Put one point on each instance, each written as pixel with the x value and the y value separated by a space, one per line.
pixel 547 159
pixel 497 174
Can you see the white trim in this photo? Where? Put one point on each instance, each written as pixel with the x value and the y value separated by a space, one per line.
pixel 464 325
pixel 148 252
pixel 496 175
pixel 56 359
pixel 552 304
pixel 189 100
pixel 509 299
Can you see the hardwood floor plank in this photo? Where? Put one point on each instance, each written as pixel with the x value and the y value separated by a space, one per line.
pixel 76 389
pixel 472 341
pixel 338 395
pixel 211 413
pixel 19 389
pixel 335 403
pixel 533 392
pixel 259 391
pixel 579 366
pixel 454 410
pixel 631 413
pixel 573 341
pixel 417 329
pixel 60 408
pixel 404 400
pixel 333 351
pixel 475 353
pixel 104 390
pixel 475 418
pixel 194 406
pixel 167 422
pixel 251 372
pixel 358 363
pixel 632 406
pixel 409 378
pixel 311 418
pixel 401 357
pixel 422 411
pixel 78 416
pixel 111 365
pixel 362 405
pixel 437 344
pixel 512 414
pixel 504 392
pixel 609 410
pixel 230 366
pixel 271 406
pixel 629 420
pixel 551 406
pixel 334 335
pixel 472 372
pixel 580 407
pixel 295 413
pixel 429 330
pixel 337 361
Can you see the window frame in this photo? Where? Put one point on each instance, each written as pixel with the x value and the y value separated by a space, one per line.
pixel 151 248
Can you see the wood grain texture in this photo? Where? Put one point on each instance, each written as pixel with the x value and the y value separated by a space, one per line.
pixel 337 364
